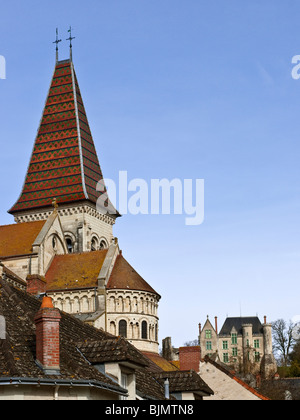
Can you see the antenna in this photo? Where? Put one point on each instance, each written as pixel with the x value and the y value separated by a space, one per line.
pixel 57 42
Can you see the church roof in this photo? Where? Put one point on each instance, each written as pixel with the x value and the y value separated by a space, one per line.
pixel 17 239
pixel 64 163
pixel 125 277
pixel 74 271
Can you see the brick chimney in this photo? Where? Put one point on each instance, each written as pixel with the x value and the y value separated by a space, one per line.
pixel 36 285
pixel 47 337
pixel 216 324
pixel 189 358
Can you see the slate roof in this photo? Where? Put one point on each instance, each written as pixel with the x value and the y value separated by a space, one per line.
pixel 17 239
pixel 17 352
pixel 115 349
pixel 64 163
pixel 237 324
pixel 125 277
pixel 184 381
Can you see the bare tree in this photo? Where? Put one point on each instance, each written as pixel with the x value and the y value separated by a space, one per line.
pixel 191 343
pixel 283 339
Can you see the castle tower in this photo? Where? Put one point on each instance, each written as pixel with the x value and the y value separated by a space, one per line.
pixel 268 363
pixel 64 169
pixel 247 342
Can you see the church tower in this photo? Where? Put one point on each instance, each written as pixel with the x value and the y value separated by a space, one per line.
pixel 63 213
pixel 64 169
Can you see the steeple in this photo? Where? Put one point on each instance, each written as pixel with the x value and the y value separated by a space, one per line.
pixel 64 163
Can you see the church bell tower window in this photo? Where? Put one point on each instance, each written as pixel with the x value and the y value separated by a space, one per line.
pixel 70 245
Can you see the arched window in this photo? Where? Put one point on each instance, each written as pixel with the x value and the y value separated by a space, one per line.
pixel 70 245
pixel 94 244
pixel 113 328
pixel 144 330
pixel 123 329
pixel 103 245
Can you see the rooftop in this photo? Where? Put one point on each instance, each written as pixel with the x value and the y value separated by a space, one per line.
pixel 72 271
pixel 125 277
pixel 238 322
pixel 17 239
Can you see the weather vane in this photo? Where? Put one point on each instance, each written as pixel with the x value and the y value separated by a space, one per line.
pixel 70 39
pixel 57 42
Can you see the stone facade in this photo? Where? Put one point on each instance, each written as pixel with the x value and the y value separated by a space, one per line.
pixel 136 313
pixel 84 227
pixel 243 344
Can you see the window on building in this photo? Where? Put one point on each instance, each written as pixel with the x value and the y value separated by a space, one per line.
pixel 208 334
pixel 225 345
pixel 103 245
pixel 123 329
pixel 248 344
pixel 257 356
pixel 70 245
pixel 54 243
pixel 256 344
pixel 208 345
pixel 234 351
pixel 234 338
pixel 225 357
pixel 94 244
pixel 144 330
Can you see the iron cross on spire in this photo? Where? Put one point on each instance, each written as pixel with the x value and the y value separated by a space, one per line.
pixel 57 42
pixel 70 39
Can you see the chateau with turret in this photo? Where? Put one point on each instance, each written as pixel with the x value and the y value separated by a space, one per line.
pixel 243 343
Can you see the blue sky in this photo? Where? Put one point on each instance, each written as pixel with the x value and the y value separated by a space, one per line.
pixel 178 89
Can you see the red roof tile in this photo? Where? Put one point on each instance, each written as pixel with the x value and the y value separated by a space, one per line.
pixel 74 271
pixel 18 239
pixel 125 277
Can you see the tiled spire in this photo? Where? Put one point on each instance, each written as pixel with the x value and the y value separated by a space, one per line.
pixel 64 163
